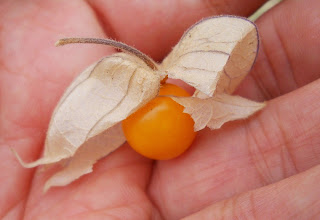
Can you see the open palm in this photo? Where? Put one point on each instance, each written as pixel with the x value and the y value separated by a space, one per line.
pixel 264 167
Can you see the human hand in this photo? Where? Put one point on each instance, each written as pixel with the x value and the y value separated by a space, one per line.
pixel 264 167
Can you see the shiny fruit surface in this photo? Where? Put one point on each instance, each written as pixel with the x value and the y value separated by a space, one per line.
pixel 160 130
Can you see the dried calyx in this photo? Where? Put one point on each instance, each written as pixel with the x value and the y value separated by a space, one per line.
pixel 213 56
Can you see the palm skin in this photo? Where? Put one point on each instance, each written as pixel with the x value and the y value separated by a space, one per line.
pixel 263 167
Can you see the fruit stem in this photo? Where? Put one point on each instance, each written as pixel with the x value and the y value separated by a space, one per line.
pixel 109 42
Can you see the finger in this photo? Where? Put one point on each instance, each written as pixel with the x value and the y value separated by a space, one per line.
pixel 294 198
pixel 115 189
pixel 279 142
pixel 289 51
pixel 154 27
pixel 33 75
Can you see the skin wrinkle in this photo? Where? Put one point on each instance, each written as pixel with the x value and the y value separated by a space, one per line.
pixel 203 179
pixel 77 203
pixel 305 212
pixel 241 209
pixel 269 206
pixel 131 164
pixel 286 155
pixel 16 73
pixel 41 127
pixel 115 170
pixel 301 134
pixel 147 187
pixel 253 204
pixel 24 197
pixel 31 133
pixel 286 54
pixel 286 152
pixel 314 216
pixel 78 191
pixel 27 136
pixel 283 142
pixel 89 209
pixel 265 177
pixel 267 93
pixel 233 203
pixel 156 176
pixel 207 178
pixel 14 206
pixel 214 188
pixel 285 145
pixel 224 207
pixel 145 212
pixel 20 69
pixel 277 31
